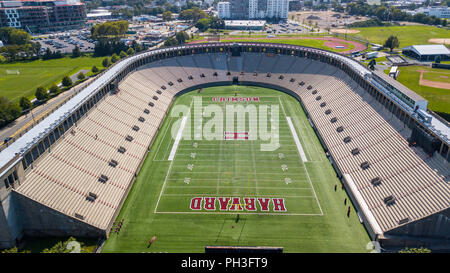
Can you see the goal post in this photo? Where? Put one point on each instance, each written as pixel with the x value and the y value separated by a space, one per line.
pixel 12 72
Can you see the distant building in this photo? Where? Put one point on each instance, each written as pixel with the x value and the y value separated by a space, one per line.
pixel 146 18
pixel 42 15
pixel 440 12
pixel 97 14
pixel 245 24
pixel 277 9
pixel 223 9
pixel 239 9
pixel 295 5
pixel 254 9
pixel 427 53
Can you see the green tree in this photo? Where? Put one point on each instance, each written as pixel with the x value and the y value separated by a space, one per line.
pixel 66 81
pixel 76 52
pixel 181 37
pixel 202 24
pixel 167 16
pixel 391 42
pixel 54 89
pixel 14 250
pixel 114 58
pixel 170 42
pixel 36 47
pixel 106 62
pixel 65 247
pixel 122 54
pixel 109 30
pixel 372 64
pixel 41 93
pixel 130 51
pixel 8 111
pixel 415 250
pixel 13 36
pixel 25 103
pixel 81 76
pixel 94 69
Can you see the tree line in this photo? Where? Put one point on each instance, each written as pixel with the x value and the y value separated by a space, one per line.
pixel 17 45
pixel 384 13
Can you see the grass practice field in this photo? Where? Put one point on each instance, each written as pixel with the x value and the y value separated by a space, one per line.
pixel 407 35
pixel 39 73
pixel 438 98
pixel 296 205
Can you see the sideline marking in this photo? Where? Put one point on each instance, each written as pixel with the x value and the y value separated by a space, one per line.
pixel 177 139
pixel 297 142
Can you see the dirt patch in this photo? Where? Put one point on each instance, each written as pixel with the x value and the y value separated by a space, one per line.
pixel 442 85
pixel 343 31
pixel 440 41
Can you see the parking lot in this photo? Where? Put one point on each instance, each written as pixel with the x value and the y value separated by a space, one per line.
pixel 66 42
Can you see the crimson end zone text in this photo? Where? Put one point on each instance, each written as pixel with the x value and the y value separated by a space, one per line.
pixel 238 204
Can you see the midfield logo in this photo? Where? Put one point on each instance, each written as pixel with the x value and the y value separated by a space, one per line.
pixel 238 204
pixel 235 136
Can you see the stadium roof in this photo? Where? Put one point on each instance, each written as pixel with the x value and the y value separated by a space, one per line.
pixel 429 49
pixel 405 90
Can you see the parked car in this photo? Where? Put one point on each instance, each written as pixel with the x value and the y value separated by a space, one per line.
pixel 6 140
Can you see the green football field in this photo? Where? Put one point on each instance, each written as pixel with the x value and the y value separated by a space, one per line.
pixel 192 186
pixel 407 35
pixel 32 74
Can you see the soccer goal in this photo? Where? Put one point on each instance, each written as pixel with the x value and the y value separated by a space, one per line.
pixel 12 72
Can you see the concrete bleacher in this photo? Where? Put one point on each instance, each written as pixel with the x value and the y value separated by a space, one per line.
pixel 64 178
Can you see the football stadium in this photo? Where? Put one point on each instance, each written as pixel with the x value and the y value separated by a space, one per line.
pixel 217 146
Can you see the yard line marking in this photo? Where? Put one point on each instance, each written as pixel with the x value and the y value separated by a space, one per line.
pixel 234 143
pixel 244 165
pixel 283 174
pixel 204 149
pixel 240 187
pixel 228 160
pixel 260 180
pixel 237 154
pixel 297 141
